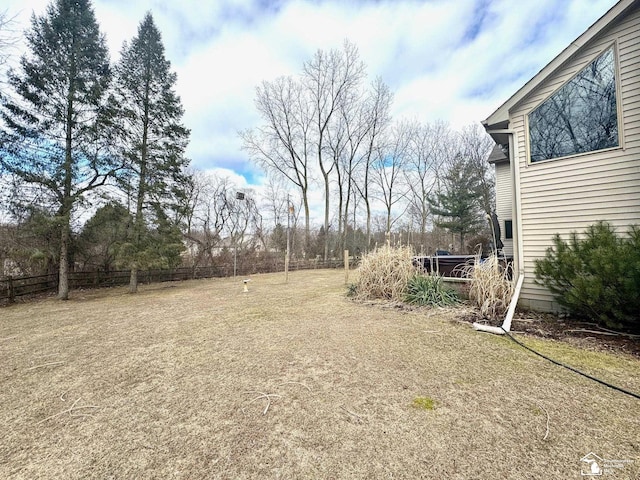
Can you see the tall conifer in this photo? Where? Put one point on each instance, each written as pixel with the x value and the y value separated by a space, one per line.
pixel 54 115
pixel 153 141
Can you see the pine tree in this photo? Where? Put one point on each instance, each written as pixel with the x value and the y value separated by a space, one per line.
pixel 153 140
pixel 103 235
pixel 55 119
pixel 458 203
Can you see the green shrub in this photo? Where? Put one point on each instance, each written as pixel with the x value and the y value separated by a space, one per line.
pixel 430 290
pixel 596 276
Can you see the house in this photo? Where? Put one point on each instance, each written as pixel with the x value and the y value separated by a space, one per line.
pixel 567 148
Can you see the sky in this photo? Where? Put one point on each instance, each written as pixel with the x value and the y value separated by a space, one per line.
pixel 450 60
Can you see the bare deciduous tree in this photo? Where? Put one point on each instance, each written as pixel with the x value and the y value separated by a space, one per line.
pixel 7 37
pixel 377 117
pixel 330 79
pixel 283 144
pixel 431 149
pixel 391 159
pixel 208 216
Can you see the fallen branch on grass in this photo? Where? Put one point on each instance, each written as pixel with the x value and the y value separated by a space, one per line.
pixel 546 435
pixel 597 332
pixel 50 364
pixel 352 413
pixel 70 411
pixel 601 329
pixel 268 396
pixel 547 413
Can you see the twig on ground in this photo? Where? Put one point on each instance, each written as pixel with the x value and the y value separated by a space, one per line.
pixel 70 412
pixel 352 413
pixel 600 329
pixel 296 383
pixel 548 418
pixel 523 320
pixel 268 396
pixel 582 330
pixel 50 364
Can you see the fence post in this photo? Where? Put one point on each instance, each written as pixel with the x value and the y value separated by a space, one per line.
pixel 12 293
pixel 346 267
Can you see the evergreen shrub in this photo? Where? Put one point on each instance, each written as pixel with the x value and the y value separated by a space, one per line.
pixel 596 276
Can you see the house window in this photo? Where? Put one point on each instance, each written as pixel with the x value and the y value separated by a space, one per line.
pixel 508 229
pixel 580 117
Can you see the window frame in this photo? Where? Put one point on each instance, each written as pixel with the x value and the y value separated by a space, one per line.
pixel 619 111
pixel 508 229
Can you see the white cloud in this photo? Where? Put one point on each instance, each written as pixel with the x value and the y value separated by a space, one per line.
pixel 451 60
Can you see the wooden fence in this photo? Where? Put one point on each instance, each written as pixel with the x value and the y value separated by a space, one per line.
pixel 14 287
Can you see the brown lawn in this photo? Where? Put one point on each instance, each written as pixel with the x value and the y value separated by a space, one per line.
pixel 200 380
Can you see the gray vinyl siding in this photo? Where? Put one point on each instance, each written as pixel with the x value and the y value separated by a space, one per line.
pixel 569 194
pixel 504 203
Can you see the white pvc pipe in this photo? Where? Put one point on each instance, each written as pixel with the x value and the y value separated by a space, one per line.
pixel 517 210
pixel 506 324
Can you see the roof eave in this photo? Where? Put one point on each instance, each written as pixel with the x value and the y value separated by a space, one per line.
pixel 500 118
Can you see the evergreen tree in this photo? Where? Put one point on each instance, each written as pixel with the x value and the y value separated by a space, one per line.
pixel 55 119
pixel 153 141
pixel 102 237
pixel 458 203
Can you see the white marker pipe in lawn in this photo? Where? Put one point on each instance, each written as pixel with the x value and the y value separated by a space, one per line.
pixel 506 325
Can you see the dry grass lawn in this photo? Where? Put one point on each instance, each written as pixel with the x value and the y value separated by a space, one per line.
pixel 199 380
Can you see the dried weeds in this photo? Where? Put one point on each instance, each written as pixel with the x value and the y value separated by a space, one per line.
pixel 384 273
pixel 491 287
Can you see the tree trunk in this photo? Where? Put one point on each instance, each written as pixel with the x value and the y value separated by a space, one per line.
pixel 142 186
pixel 307 234
pixel 326 216
pixel 63 272
pixel 67 200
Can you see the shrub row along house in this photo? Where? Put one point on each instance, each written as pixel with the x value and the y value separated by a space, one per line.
pixel 567 151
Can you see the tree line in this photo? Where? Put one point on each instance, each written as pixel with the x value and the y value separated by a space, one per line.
pixel 93 172
pixel 328 127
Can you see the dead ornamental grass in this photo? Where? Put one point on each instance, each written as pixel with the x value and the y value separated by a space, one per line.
pixel 200 380
pixel 385 272
pixel 491 287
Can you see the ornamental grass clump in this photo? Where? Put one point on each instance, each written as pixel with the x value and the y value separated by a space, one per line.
pixel 430 290
pixel 491 287
pixel 384 273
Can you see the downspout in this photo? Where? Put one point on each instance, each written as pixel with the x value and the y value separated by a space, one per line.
pixel 517 209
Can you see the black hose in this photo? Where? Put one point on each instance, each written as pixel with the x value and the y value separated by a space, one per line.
pixel 571 368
